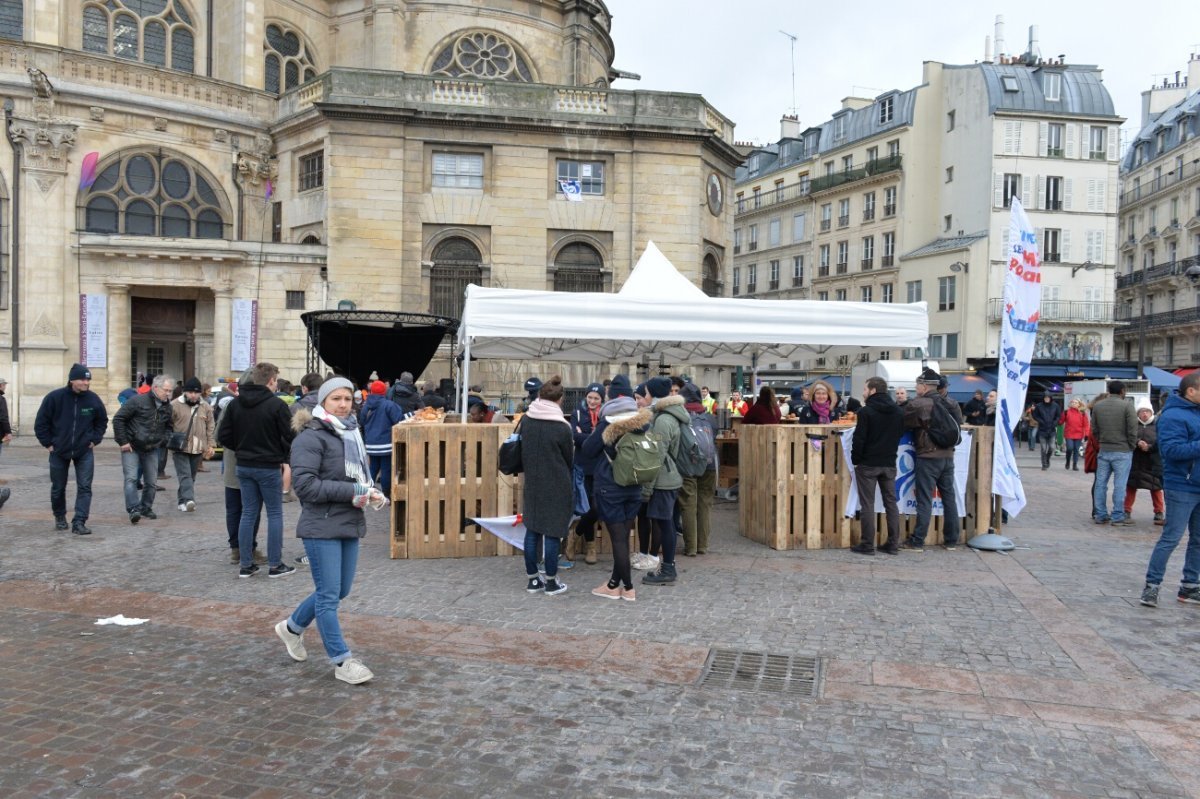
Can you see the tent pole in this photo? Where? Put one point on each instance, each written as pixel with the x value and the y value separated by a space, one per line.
pixel 464 374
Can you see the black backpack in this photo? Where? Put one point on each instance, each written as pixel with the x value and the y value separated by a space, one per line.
pixel 944 431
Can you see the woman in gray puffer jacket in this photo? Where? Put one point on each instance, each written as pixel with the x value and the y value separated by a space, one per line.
pixel 331 478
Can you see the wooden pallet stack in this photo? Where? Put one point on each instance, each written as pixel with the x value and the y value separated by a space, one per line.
pixel 793 484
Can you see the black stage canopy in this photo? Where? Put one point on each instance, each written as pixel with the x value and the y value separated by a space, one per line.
pixel 356 343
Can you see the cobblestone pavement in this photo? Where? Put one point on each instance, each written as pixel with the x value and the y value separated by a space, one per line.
pixel 944 674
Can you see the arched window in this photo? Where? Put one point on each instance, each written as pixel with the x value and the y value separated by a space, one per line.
pixel 154 194
pixel 482 54
pixel 156 32
pixel 578 267
pixel 712 276
pixel 12 19
pixel 287 61
pixel 456 264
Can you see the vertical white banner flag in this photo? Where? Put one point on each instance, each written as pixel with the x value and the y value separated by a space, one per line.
pixel 93 330
pixel 243 348
pixel 1018 334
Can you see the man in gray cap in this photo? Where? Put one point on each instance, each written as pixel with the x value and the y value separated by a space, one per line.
pixel 934 465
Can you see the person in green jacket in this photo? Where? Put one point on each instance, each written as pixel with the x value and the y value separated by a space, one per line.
pixel 669 415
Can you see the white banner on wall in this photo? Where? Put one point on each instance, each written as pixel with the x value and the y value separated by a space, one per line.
pixel 93 330
pixel 906 482
pixel 243 349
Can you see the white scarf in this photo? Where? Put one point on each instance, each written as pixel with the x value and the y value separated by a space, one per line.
pixel 357 468
pixel 547 411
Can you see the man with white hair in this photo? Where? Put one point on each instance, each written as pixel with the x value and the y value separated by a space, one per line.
pixel 141 427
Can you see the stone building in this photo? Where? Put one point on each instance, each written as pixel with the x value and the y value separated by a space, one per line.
pixel 255 160
pixel 1158 284
pixel 906 197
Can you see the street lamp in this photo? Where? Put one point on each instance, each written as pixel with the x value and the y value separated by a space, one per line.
pixel 1087 266
pixel 959 266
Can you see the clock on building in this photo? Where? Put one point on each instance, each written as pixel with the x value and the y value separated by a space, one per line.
pixel 716 197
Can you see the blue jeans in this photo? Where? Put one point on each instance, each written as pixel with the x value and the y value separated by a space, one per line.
pixel 533 547
pixel 1183 510
pixel 332 562
pixel 381 472
pixel 1115 465
pixel 939 473
pixel 84 467
pixel 147 463
pixel 260 487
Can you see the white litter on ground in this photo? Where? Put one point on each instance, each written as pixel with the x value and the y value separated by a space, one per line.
pixel 120 620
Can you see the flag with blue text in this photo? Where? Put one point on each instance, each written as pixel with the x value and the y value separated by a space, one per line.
pixel 1018 333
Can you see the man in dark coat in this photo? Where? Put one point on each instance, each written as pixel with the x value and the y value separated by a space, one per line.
pixel 975 411
pixel 933 466
pixel 309 385
pixel 1046 413
pixel 404 394
pixel 141 427
pixel 873 453
pixel 70 423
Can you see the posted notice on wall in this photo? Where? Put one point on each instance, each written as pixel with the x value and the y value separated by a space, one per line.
pixel 93 330
pixel 243 352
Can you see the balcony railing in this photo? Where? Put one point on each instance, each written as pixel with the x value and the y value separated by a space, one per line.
pixel 753 246
pixel 797 281
pixel 868 214
pixel 737 249
pixel 843 220
pixel 1054 152
pixel 843 268
pixel 736 291
pixel 868 264
pixel 887 261
pixel 1052 258
pixel 777 195
pixel 823 271
pixel 1053 205
pixel 1072 311
pixel 1183 316
pixel 1157 272
pixel 826 224
pixel 889 210
pixel 750 287
pixel 1161 183
pixel 774 284
pixel 872 168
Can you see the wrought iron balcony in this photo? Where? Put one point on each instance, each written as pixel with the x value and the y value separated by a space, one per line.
pixel 868 264
pixel 887 261
pixel 1135 322
pixel 872 168
pixel 1063 311
pixel 826 224
pixel 1168 181
pixel 776 196
pixel 1157 272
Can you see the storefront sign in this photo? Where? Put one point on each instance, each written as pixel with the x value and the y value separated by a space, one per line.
pixel 93 330
pixel 243 350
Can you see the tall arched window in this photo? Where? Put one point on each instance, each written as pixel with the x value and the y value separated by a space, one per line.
pixel 154 194
pixel 482 54
pixel 456 264
pixel 711 284
pixel 578 267
pixel 12 19
pixel 157 32
pixel 287 61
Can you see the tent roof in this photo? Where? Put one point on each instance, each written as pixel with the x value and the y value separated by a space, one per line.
pixel 658 316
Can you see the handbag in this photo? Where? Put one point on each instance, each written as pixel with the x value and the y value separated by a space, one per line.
pixel 510 460
pixel 177 441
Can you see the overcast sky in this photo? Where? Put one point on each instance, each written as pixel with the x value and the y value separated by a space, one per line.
pixel 733 53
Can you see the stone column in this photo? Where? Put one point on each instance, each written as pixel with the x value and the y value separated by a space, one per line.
pixel 120 337
pixel 222 330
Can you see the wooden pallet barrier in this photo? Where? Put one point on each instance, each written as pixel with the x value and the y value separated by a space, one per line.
pixel 794 483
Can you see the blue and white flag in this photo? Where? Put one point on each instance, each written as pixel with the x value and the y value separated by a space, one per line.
pixel 1018 333
pixel 571 190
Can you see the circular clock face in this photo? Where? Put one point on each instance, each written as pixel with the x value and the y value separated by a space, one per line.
pixel 716 198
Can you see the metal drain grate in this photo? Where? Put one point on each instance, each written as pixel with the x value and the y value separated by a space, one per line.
pixel 795 675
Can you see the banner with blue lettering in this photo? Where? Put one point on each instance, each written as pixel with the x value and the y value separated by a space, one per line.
pixel 906 483
pixel 1018 335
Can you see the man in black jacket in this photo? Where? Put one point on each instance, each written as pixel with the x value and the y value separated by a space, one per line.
pixel 1046 413
pixel 873 452
pixel 258 427
pixel 70 423
pixel 141 427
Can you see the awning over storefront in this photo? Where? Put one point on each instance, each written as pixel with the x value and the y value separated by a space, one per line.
pixel 1161 378
pixel 1185 371
pixel 962 387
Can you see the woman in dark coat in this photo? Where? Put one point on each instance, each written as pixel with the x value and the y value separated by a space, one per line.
pixel 583 421
pixel 765 410
pixel 1147 468
pixel 331 478
pixel 547 451
pixel 823 405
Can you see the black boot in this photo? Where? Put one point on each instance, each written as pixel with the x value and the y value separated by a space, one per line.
pixel 664 576
pixel 863 548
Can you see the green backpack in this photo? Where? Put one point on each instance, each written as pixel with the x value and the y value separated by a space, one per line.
pixel 639 459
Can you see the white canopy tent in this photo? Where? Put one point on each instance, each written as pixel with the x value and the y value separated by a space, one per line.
pixel 659 311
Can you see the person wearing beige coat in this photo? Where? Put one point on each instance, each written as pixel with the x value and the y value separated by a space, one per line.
pixel 192 417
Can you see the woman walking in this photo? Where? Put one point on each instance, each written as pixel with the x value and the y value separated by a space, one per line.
pixel 547 454
pixel 330 476
pixel 616 505
pixel 1076 428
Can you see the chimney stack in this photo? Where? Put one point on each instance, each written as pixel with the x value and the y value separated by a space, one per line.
pixel 1035 52
pixel 999 37
pixel 987 49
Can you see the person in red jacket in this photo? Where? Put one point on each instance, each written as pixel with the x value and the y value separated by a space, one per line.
pixel 1076 428
pixel 765 410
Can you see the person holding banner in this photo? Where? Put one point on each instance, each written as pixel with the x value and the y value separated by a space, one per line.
pixel 934 465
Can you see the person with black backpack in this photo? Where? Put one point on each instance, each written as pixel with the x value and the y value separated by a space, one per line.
pixel 935 423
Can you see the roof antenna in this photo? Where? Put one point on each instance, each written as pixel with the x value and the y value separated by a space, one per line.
pixel 793 42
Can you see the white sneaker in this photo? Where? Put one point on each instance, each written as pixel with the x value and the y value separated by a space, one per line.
pixel 182 508
pixel 647 563
pixel 352 671
pixel 293 642
pixel 189 506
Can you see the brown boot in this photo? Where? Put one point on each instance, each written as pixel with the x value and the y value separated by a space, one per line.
pixel 569 547
pixel 589 555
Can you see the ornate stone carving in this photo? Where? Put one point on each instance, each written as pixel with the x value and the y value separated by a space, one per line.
pixel 220 134
pixel 45 183
pixel 97 113
pixel 41 84
pixel 44 327
pixel 46 143
pixel 258 166
pixel 160 123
